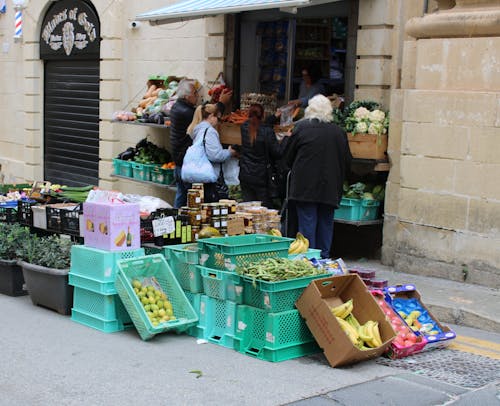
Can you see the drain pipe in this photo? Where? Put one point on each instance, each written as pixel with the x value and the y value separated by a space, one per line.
pixel 426 5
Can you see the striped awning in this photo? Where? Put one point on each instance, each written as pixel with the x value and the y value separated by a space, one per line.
pixel 191 9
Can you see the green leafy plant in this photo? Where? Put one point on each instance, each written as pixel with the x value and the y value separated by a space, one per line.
pixel 12 237
pixel 51 251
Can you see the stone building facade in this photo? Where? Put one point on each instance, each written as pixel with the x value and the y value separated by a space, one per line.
pixel 434 64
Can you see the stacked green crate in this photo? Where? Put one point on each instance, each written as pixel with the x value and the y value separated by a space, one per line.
pixel 96 303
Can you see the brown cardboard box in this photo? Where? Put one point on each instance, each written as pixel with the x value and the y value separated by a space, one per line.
pixel 315 303
pixel 235 225
pixel 230 133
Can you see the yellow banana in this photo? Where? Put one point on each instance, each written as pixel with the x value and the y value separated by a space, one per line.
pixel 343 310
pixel 353 321
pixel 349 330
pixel 373 331
pixel 275 232
pixel 365 336
pixel 296 247
pixel 300 236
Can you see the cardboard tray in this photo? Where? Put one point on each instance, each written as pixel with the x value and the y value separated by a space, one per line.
pixel 315 303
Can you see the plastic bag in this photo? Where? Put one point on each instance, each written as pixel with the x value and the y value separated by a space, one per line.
pixel 231 170
pixel 147 204
pixel 286 117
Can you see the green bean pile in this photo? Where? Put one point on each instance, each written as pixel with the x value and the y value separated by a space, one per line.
pixel 278 269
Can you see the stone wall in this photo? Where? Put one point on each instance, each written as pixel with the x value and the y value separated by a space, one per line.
pixel 443 198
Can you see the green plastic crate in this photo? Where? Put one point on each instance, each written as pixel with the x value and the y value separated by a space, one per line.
pixel 349 209
pixel 99 265
pixel 224 285
pixel 273 336
pixel 369 210
pixel 105 307
pixel 122 168
pixel 226 253
pixel 195 300
pixel 157 266
pixel 89 283
pixel 275 296
pixel 183 259
pixel 311 253
pixel 162 176
pixel 107 326
pixel 142 171
pixel 217 321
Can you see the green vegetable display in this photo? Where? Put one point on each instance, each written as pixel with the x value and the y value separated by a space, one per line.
pixel 279 269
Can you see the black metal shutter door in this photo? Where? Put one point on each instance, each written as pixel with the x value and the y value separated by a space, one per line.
pixel 71 129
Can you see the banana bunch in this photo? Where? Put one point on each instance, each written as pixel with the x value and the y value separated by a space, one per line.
pixel 274 232
pixel 364 336
pixel 300 245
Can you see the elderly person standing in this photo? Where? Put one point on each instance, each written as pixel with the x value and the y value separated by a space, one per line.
pixel 181 116
pixel 319 156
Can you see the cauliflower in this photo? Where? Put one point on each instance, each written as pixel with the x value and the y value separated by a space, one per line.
pixel 361 113
pixel 376 128
pixel 376 116
pixel 361 127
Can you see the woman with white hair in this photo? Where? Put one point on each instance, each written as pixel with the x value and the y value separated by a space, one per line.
pixel 319 156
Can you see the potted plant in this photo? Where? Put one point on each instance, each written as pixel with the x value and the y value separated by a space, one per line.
pixel 12 236
pixel 366 126
pixel 45 262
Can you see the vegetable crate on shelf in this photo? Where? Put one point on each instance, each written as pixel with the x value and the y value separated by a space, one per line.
pixel 122 168
pixel 142 171
pixel 273 336
pixel 275 296
pixel 217 321
pixel 96 269
pixel 226 253
pixel 357 209
pixel 368 146
pixel 24 212
pixel 8 212
pixel 147 267
pixel 102 312
pixel 224 285
pixel 161 175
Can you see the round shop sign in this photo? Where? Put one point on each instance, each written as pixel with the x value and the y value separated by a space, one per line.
pixel 70 29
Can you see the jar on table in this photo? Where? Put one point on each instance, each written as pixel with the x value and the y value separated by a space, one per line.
pixel 215 223
pixel 199 186
pixel 194 198
pixel 195 232
pixel 195 217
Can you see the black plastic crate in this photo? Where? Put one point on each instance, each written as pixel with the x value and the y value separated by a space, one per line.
pixel 54 215
pixel 24 212
pixel 70 220
pixel 8 215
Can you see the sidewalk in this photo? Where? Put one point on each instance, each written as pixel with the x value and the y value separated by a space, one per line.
pixel 451 302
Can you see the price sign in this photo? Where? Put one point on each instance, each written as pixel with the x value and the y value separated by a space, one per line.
pixel 163 225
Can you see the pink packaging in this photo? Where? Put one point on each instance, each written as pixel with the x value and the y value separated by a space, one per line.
pixel 112 226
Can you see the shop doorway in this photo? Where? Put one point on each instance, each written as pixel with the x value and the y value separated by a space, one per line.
pixel 69 44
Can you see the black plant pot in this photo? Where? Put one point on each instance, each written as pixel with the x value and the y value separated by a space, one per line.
pixel 11 278
pixel 48 287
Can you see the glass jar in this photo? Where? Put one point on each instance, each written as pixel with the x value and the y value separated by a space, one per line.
pixel 195 217
pixel 195 231
pixel 215 222
pixel 199 186
pixel 194 198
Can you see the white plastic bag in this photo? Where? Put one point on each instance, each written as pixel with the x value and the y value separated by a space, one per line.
pixel 147 204
pixel 231 169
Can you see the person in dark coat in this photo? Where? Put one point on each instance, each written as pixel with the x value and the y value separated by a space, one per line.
pixel 258 147
pixel 181 116
pixel 319 157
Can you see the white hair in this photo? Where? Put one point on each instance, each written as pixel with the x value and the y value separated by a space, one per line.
pixel 185 88
pixel 319 107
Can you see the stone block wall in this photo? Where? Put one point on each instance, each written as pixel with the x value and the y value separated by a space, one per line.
pixel 443 203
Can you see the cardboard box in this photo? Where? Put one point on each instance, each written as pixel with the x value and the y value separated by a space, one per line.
pixel 112 227
pixel 315 305
pixel 230 134
pixel 409 291
pixel 368 146
pixel 235 225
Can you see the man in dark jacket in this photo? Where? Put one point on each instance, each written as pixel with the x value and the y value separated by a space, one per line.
pixel 181 115
pixel 319 156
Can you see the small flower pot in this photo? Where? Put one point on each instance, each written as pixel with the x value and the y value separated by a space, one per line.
pixel 48 287
pixel 11 278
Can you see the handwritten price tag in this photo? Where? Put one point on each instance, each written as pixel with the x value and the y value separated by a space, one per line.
pixel 163 225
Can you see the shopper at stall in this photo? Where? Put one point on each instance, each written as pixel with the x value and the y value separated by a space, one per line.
pixel 181 116
pixel 260 151
pixel 319 157
pixel 204 125
pixel 310 86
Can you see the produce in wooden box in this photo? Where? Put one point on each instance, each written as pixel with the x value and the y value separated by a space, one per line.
pixel 155 302
pixel 364 336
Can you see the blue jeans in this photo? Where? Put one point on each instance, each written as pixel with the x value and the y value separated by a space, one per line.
pixel 316 224
pixel 182 188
